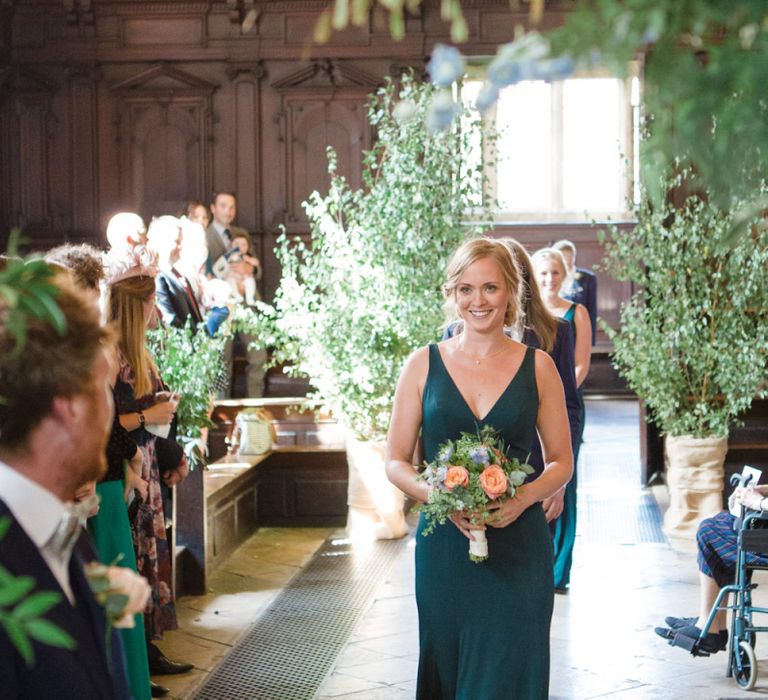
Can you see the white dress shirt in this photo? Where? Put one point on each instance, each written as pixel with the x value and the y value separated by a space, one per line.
pixel 39 513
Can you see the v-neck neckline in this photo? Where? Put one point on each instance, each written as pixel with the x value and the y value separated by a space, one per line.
pixel 499 398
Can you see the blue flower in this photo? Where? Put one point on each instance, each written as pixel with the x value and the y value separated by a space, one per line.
pixel 440 473
pixel 445 453
pixel 553 69
pixel 486 98
pixel 446 65
pixel 441 112
pixel 479 455
pixel 504 70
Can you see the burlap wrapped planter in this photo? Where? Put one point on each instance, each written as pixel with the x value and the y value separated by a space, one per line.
pixel 375 504
pixel 695 482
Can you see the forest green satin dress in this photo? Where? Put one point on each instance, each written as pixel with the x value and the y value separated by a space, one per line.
pixel 484 628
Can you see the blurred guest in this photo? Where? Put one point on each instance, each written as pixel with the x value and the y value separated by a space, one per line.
pixel 109 526
pixel 54 424
pixel 126 230
pixel 219 237
pixel 582 283
pixel 197 213
pixel 175 296
pixel 147 409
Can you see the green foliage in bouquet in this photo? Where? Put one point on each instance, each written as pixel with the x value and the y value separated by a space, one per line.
pixel 693 339
pixel 189 363
pixel 464 476
pixel 352 307
pixel 22 610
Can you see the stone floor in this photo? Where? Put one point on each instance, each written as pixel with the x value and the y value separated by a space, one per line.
pixel 603 643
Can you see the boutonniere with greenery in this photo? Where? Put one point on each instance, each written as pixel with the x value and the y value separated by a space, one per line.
pixel 121 592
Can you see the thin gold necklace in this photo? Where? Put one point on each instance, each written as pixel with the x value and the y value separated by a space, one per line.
pixel 478 360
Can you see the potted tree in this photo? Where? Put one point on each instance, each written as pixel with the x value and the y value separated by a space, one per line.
pixel 355 303
pixel 693 339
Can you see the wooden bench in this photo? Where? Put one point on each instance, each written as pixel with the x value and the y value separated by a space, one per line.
pixel 301 482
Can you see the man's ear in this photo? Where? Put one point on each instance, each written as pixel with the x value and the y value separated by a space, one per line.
pixel 68 409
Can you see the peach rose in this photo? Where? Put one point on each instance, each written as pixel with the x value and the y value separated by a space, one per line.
pixel 456 476
pixel 493 481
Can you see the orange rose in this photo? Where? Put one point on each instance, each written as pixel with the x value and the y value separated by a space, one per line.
pixel 493 481
pixel 456 476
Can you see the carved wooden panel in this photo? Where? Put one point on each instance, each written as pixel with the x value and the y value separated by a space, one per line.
pixel 314 123
pixel 26 126
pixel 164 117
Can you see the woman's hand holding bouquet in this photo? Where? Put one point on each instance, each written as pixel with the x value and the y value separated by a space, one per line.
pixel 472 482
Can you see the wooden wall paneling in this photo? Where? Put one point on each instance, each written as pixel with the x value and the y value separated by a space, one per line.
pixel 30 125
pixel 84 153
pixel 323 104
pixel 247 157
pixel 165 144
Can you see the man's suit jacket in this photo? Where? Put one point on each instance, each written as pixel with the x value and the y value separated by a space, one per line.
pixel 216 247
pixel 585 293
pixel 173 301
pixel 80 674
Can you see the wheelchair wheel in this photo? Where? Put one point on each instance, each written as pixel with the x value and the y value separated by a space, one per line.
pixel 745 666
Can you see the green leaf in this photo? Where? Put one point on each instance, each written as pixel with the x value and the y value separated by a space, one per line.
pixel 36 605
pixel 19 639
pixel 46 632
pixel 15 590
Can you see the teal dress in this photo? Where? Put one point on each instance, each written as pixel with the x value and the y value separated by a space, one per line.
pixel 484 628
pixel 564 528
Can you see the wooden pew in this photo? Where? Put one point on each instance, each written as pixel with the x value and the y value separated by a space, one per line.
pixel 301 482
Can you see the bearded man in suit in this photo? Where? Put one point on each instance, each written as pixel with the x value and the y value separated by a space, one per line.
pixel 55 419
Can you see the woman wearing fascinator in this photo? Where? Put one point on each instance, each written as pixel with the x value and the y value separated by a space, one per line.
pixel 146 410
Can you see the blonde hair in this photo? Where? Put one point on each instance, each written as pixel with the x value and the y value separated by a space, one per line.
pixel 467 254
pixel 552 254
pixel 125 308
pixel 537 316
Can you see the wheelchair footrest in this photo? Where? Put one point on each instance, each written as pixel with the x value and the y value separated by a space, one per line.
pixel 676 639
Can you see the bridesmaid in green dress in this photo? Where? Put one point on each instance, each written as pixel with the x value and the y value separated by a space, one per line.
pixel 551 274
pixel 483 628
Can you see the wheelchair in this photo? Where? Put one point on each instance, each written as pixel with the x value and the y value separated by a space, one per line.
pixel 752 527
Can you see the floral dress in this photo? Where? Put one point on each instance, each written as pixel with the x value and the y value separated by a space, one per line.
pixel 153 551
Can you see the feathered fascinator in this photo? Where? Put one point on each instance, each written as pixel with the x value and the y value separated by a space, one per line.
pixel 132 262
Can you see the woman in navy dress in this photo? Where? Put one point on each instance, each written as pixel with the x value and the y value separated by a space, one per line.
pixel 483 628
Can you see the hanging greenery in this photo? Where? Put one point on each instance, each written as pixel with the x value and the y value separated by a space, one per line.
pixel 704 72
pixel 351 307
pixel 693 340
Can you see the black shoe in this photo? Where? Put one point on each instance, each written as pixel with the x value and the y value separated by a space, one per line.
pixel 676 623
pixel 561 590
pixel 712 643
pixel 158 691
pixel 163 666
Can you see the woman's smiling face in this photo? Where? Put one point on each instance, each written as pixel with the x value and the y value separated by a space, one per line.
pixel 549 274
pixel 481 295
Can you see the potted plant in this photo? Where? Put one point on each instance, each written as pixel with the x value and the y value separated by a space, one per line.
pixel 355 303
pixel 189 363
pixel 693 339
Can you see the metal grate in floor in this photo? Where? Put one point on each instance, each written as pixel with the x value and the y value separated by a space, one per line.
pixel 614 519
pixel 290 649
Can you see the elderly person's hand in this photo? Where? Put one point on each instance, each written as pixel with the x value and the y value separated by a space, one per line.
pixel 750 497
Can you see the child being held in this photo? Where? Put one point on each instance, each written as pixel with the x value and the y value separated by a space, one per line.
pixel 243 283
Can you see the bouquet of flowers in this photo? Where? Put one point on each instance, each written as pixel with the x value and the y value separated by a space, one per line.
pixel 467 475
